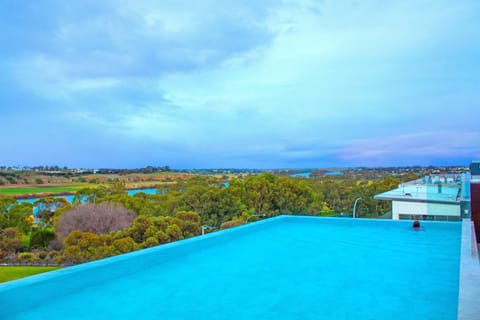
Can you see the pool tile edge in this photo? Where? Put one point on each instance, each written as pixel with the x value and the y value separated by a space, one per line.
pixel 469 286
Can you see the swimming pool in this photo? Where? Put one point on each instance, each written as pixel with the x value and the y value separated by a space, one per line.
pixel 282 268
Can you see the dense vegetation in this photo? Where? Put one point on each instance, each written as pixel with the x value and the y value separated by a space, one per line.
pixel 54 174
pixel 106 221
pixel 28 183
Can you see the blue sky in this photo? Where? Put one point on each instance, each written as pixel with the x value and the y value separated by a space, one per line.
pixel 263 84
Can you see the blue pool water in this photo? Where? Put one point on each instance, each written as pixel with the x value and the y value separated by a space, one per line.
pixel 281 268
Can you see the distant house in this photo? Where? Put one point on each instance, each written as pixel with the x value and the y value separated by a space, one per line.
pixel 441 197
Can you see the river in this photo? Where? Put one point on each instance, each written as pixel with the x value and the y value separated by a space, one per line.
pixel 70 197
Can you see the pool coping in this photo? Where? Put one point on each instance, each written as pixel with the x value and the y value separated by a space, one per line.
pixel 469 285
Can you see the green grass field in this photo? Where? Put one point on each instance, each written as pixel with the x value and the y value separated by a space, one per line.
pixel 8 273
pixel 41 190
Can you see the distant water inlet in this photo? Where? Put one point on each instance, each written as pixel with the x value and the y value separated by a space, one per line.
pixel 69 198
pixel 333 173
pixel 301 175
pixel 282 268
pixel 309 174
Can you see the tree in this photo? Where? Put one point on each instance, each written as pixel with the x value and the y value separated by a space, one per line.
pixel 90 194
pixel 140 203
pixel 41 237
pixel 192 198
pixel 10 241
pixel 117 187
pixel 14 214
pixel 6 203
pixel 260 192
pixel 293 196
pixel 189 223
pixel 47 206
pixel 99 219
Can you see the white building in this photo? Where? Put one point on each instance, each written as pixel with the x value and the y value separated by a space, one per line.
pixel 437 198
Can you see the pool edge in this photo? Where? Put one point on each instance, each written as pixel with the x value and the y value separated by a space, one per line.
pixel 469 285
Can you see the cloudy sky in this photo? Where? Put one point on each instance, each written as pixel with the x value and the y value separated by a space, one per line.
pixel 264 84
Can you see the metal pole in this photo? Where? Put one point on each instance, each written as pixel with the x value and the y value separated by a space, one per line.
pixel 207 227
pixel 355 206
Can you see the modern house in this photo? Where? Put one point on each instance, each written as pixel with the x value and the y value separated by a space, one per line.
pixel 443 197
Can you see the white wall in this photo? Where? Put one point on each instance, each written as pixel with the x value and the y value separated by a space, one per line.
pixel 424 208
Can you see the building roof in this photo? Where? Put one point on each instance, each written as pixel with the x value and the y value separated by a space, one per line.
pixel 424 190
pixel 475 168
pixel 475 172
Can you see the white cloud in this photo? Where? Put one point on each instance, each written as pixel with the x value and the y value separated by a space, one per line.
pixel 293 79
pixel 415 145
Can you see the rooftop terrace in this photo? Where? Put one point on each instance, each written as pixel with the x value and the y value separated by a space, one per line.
pixel 440 189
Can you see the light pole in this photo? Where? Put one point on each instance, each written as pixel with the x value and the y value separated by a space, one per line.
pixel 207 227
pixel 355 206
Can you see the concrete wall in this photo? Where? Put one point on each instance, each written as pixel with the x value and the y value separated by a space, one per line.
pixel 423 208
pixel 475 204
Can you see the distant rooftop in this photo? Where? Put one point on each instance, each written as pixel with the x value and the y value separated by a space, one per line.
pixel 446 188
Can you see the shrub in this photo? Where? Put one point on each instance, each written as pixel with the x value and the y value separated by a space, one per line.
pixel 161 236
pixel 27 257
pixel 42 255
pixel 55 244
pixel 174 233
pixel 41 237
pixel 150 242
pixel 25 242
pixel 99 219
pixel 230 224
pixel 10 240
pixel 125 245
pixel 73 254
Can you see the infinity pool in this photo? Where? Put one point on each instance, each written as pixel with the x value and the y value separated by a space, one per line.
pixel 282 268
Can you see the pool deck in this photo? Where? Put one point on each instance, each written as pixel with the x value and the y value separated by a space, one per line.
pixel 469 290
